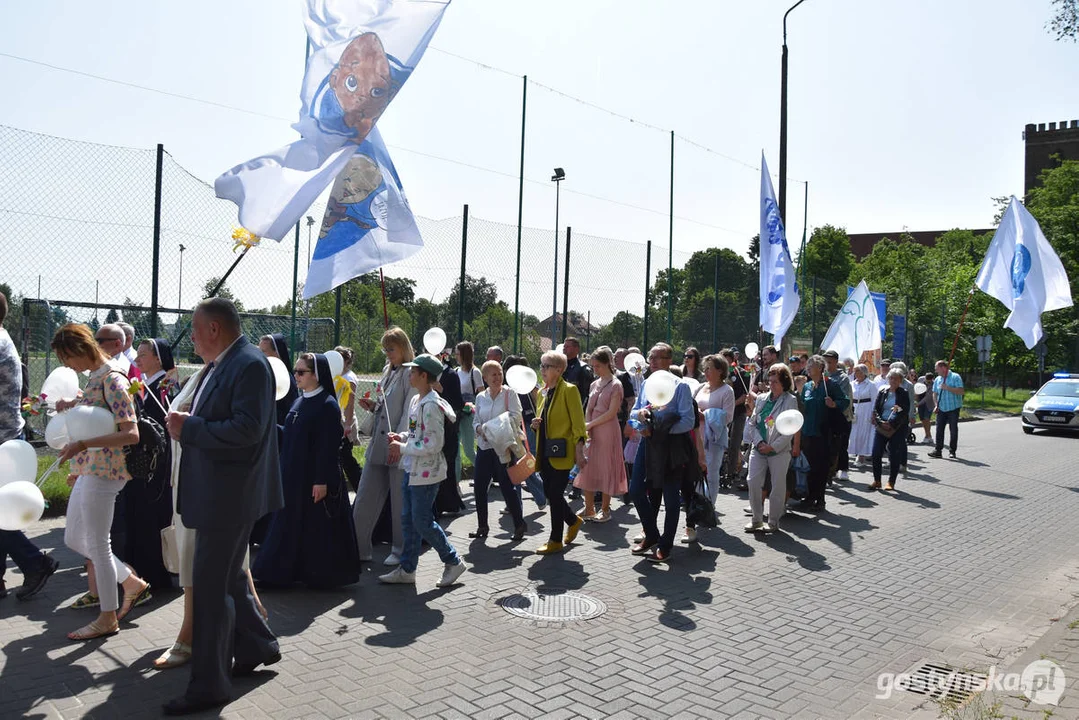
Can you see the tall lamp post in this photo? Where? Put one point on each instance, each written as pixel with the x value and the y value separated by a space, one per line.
pixel 783 122
pixel 180 291
pixel 557 178
pixel 310 222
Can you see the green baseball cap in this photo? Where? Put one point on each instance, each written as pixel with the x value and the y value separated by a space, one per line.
pixel 427 362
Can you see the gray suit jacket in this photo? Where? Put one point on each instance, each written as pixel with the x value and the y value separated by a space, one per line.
pixel 229 470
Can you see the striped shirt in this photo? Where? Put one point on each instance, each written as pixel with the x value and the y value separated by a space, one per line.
pixel 947 401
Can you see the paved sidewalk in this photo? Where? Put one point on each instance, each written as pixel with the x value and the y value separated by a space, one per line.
pixel 969 564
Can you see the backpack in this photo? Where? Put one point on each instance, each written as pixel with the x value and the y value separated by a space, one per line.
pixel 141 458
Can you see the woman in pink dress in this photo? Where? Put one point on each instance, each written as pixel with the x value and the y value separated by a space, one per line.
pixel 605 471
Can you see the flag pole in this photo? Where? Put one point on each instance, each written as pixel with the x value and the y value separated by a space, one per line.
pixel 385 314
pixel 955 342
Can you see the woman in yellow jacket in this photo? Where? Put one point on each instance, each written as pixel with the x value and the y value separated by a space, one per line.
pixel 560 436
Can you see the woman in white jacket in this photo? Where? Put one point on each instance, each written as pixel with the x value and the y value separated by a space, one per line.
pixel 491 458
pixel 772 451
pixel 425 467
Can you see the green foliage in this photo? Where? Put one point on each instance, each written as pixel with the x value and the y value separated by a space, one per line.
pixel 1065 21
pixel 223 292
pixel 936 284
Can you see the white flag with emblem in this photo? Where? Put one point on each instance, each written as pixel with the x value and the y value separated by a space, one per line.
pixel 778 286
pixel 1023 272
pixel 856 327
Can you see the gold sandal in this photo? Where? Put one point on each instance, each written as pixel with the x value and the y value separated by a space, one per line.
pixel 92 631
pixel 133 600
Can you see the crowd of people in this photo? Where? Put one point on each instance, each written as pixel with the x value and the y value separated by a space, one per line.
pixel 244 471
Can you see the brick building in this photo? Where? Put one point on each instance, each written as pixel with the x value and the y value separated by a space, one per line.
pixel 1043 142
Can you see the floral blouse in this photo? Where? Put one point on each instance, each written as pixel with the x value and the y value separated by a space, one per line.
pixel 107 388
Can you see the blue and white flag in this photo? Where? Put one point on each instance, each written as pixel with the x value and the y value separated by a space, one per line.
pixel 856 327
pixel 778 285
pixel 881 301
pixel 1023 272
pixel 361 55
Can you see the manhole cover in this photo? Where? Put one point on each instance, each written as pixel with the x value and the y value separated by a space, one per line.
pixel 553 605
pixel 946 683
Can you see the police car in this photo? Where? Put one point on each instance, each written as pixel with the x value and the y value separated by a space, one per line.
pixel 1055 405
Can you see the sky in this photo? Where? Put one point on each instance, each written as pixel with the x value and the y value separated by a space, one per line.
pixel 901 114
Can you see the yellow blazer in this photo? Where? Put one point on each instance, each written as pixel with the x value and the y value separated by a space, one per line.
pixel 564 420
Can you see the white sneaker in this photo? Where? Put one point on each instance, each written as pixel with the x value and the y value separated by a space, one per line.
pixel 638 538
pixel 398 576
pixel 927 441
pixel 842 475
pixel 690 536
pixel 451 573
pixel 392 560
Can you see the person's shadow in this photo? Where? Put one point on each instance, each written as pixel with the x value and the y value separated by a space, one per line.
pixel 558 571
pixel 795 551
pixel 402 615
pixel 840 530
pixel 47 666
pixel 683 584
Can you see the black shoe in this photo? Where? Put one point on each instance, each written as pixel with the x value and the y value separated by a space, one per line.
pixel 240 669
pixel 480 532
pixel 35 582
pixel 3 590
pixel 951 454
pixel 183 705
pixel 519 532
pixel 936 454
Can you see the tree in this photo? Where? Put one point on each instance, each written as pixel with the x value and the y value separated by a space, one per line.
pixel 478 296
pixel 624 330
pixel 828 255
pixel 223 292
pixel 1065 20
pixel 112 316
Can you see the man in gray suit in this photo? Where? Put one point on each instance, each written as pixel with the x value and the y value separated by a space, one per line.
pixel 229 478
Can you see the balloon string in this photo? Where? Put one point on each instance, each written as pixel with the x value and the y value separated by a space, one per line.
pixel 41 480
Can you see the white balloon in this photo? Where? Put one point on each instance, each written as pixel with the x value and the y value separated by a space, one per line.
pixel 919 388
pixel 61 384
pixel 751 351
pixel 634 363
pixel 789 422
pixel 659 388
pixel 522 379
pixel 693 383
pixel 337 362
pixel 280 377
pixel 56 432
pixel 21 505
pixel 434 340
pixel 85 422
pixel 560 348
pixel 18 461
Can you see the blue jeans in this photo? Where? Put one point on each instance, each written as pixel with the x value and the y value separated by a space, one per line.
pixel 647 499
pixel 418 524
pixel 23 553
pixel 951 419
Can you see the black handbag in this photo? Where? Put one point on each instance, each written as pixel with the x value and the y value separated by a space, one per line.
pixel 554 447
pixel 141 458
pixel 699 509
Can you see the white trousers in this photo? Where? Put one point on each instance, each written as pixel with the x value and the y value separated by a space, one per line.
pixel 89 519
pixel 759 466
pixel 714 458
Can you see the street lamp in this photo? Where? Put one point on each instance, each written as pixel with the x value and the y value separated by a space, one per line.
pixel 310 222
pixel 783 122
pixel 557 178
pixel 180 291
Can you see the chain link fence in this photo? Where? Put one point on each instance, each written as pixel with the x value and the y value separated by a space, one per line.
pixel 80 224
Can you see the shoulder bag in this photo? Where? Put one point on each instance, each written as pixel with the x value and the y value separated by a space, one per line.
pixel 141 458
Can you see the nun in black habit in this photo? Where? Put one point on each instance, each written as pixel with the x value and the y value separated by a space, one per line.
pixel 276 346
pixel 147 502
pixel 311 540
